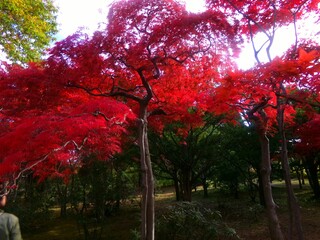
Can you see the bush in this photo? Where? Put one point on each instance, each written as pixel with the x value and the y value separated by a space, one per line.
pixel 135 234
pixel 187 220
pixel 32 214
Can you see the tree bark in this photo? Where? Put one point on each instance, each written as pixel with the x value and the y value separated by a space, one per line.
pixel 205 186
pixel 150 194
pixel 260 189
pixel 261 122
pixel 295 226
pixel 147 184
pixel 186 185
pixel 312 171
pixel 265 170
pixel 62 196
pixel 176 186
pixel 298 172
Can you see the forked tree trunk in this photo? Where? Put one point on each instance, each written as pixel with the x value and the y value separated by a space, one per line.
pixel 295 226
pixel 265 167
pixel 147 184
pixel 265 170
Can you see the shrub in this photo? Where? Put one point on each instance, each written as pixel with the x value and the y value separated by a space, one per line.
pixel 186 220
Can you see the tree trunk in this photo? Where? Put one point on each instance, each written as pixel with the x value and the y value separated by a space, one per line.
pixel 265 170
pixel 295 226
pixel 186 185
pixel 62 196
pixel 118 188
pixel 312 171
pixel 261 122
pixel 176 187
pixel 298 172
pixel 260 189
pixel 147 183
pixel 205 186
pixel 150 196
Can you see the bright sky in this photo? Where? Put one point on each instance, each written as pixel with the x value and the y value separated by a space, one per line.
pixel 87 14
pixel 284 38
pixel 75 14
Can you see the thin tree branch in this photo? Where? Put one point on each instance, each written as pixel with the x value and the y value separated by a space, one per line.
pixel 42 159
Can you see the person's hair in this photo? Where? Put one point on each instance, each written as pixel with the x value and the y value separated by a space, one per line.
pixel 3 189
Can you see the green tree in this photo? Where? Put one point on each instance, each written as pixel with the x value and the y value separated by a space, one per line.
pixel 188 159
pixel 237 160
pixel 26 28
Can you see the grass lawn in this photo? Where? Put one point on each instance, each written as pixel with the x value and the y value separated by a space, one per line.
pixel 246 217
pixel 116 227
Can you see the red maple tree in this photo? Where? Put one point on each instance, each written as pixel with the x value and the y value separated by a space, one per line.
pixel 149 59
pixel 45 127
pixel 267 84
pixel 154 61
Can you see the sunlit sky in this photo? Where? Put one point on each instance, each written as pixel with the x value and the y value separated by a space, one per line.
pixel 88 14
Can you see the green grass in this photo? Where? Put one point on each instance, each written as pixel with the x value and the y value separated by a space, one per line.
pixel 116 227
pixel 246 217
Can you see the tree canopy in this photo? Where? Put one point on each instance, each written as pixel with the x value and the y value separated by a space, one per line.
pixel 155 64
pixel 26 28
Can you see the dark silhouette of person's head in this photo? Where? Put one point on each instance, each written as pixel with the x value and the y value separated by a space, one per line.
pixel 9 223
pixel 3 194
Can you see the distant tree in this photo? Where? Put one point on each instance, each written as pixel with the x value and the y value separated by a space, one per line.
pixel 238 159
pixel 186 158
pixel 309 147
pixel 26 28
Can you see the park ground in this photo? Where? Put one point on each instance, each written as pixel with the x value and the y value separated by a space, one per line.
pixel 246 217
